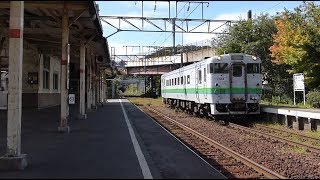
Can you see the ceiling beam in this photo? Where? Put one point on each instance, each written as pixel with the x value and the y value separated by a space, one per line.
pixel 77 15
pixel 49 5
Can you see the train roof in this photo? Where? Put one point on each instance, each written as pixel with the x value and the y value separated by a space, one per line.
pixel 224 58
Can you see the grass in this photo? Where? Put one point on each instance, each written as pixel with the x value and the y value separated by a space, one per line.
pixel 296 149
pixel 300 105
pixel 146 101
pixel 315 134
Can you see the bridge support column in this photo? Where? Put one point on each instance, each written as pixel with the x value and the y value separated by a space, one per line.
pixel 13 159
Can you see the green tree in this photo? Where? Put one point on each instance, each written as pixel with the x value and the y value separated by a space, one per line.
pixel 297 42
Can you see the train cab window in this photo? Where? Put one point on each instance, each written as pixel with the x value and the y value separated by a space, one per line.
pixel 237 71
pixel 188 79
pixel 253 68
pixel 218 68
pixel 199 76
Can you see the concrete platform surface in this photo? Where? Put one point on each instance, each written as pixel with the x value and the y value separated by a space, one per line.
pixel 102 146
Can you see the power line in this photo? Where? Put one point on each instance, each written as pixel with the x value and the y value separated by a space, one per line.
pixel 168 24
pixel 272 7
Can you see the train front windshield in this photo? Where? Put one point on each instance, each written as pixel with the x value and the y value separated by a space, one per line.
pixel 253 68
pixel 218 68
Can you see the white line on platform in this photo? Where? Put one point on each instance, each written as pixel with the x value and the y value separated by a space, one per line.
pixel 142 161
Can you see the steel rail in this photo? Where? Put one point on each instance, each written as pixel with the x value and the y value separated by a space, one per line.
pixel 259 168
pixel 267 135
pixel 286 131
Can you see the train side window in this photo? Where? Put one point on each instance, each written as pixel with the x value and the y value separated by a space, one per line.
pixel 181 80
pixel 204 75
pixel 178 80
pixel 185 80
pixel 175 81
pixel 253 68
pixel 237 71
pixel 188 79
pixel 218 68
pixel 199 76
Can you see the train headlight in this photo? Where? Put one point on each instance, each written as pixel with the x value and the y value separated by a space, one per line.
pixel 219 58
pixel 254 98
pixel 254 58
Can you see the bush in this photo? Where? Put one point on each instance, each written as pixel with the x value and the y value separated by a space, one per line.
pixel 313 98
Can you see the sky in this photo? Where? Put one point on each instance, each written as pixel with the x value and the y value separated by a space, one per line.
pixel 215 10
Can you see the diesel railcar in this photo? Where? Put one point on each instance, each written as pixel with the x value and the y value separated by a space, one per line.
pixel 227 84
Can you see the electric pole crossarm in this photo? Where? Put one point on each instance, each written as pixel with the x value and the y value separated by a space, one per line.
pixel 109 24
pixel 131 24
pixel 173 21
pixel 219 26
pixel 153 24
pixel 164 19
pixel 113 33
pixel 197 26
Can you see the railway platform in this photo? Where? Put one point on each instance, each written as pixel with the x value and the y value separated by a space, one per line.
pixel 293 117
pixel 115 141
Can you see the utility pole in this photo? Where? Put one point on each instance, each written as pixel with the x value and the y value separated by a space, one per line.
pixel 174 35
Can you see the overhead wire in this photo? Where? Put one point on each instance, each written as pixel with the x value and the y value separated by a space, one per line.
pixel 182 21
pixel 168 24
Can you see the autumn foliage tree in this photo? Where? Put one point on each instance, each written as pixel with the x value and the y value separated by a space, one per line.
pixel 297 42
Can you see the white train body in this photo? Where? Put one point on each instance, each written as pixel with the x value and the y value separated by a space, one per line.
pixel 222 85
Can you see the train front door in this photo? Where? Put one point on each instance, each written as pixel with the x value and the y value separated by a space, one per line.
pixel 238 82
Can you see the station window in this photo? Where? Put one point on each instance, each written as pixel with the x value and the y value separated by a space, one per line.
pixel 55 81
pixel 46 71
pixel 188 79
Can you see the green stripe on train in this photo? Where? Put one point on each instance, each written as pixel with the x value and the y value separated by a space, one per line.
pixel 213 90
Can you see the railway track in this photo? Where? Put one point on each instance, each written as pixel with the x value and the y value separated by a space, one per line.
pixel 275 137
pixel 286 133
pixel 230 163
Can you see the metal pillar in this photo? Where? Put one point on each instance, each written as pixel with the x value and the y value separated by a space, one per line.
pixel 100 86
pixel 88 81
pixel 174 35
pixel 82 104
pixel 64 70
pixel 13 158
pixel 94 86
